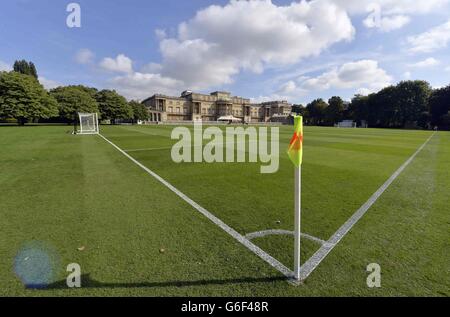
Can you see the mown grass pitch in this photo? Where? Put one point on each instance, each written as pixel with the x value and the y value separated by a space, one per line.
pixel 68 191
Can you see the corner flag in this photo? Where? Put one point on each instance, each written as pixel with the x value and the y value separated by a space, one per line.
pixel 295 150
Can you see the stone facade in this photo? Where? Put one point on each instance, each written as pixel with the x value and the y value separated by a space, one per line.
pixel 192 106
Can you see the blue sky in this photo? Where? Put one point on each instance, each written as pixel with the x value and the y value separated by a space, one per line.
pixel 261 49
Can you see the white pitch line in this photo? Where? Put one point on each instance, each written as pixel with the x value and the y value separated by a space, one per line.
pixel 263 233
pixel 318 257
pixel 236 235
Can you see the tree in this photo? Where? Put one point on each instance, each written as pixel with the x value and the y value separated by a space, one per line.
pixel 359 108
pixel 383 108
pixel 140 112
pixel 316 111
pixel 26 68
pixel 412 100
pixel 335 111
pixel 298 109
pixel 113 106
pixel 73 99
pixel 22 97
pixel 439 106
pixel 90 90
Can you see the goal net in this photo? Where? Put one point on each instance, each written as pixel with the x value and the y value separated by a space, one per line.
pixel 88 123
pixel 346 124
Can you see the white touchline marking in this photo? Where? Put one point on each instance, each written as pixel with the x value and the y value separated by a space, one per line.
pixel 247 243
pixel 318 257
pixel 263 233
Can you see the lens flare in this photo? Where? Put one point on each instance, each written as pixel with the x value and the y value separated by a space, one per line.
pixel 36 265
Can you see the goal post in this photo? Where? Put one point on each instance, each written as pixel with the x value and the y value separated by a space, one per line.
pixel 88 123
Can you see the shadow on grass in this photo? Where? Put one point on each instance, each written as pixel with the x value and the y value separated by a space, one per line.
pixel 88 282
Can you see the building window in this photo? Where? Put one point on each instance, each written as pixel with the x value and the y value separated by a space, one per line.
pixel 178 109
pixel 170 109
pixel 185 110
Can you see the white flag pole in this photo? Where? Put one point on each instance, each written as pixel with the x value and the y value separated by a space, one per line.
pixel 298 204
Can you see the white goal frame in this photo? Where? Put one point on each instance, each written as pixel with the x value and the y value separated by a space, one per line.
pixel 88 129
pixel 346 124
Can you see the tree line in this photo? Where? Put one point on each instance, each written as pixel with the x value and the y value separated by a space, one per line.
pixel 409 104
pixel 23 98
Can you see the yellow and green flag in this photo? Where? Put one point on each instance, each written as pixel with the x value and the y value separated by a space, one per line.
pixel 295 150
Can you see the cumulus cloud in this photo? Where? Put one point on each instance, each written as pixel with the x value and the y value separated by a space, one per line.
pixel 140 85
pixel 364 74
pixel 391 7
pixel 389 15
pixel 84 56
pixel 151 68
pixel 221 41
pixel 387 24
pixel 429 62
pixel 120 64
pixel 431 40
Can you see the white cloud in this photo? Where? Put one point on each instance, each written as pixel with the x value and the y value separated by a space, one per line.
pixel 5 67
pixel 364 74
pixel 387 24
pixel 431 40
pixel 364 91
pixel 389 15
pixel 84 56
pixel 221 41
pixel 48 83
pixel 447 69
pixel 392 7
pixel 429 62
pixel 140 86
pixel 151 68
pixel 120 64
pixel 407 75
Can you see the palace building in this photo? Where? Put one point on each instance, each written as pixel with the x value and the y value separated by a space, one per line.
pixel 217 106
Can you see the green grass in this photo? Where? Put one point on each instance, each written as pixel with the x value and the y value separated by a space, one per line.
pixel 68 191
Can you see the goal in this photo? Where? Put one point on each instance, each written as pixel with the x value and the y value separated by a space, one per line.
pixel 88 123
pixel 346 124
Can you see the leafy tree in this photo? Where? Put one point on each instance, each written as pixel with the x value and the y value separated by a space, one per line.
pixel 359 108
pixel 73 99
pixel 298 109
pixel 411 101
pixel 316 110
pixel 335 110
pixel 140 112
pixel 439 106
pixel 22 97
pixel 26 68
pixel 90 90
pixel 383 108
pixel 113 106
